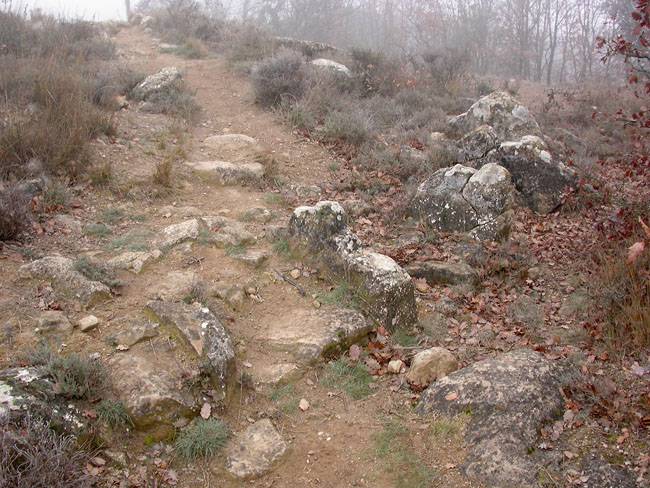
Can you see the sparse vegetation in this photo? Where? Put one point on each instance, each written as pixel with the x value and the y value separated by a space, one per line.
pixel 33 455
pixel 96 272
pixel 114 414
pixel 353 379
pixel 97 230
pixel 14 212
pixel 201 439
pixel 282 77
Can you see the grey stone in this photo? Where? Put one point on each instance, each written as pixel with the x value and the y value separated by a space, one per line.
pixel 189 230
pixel 332 67
pixel 232 147
pixel 602 474
pixel 203 331
pixel 509 398
pixel 252 257
pixel 478 143
pixel 257 214
pixel 226 232
pixel 163 81
pixel 136 334
pixel 430 365
pixel 255 451
pixel 62 271
pixel 175 285
pixel 462 199
pixel 443 273
pixel 134 261
pixel 88 323
pixel 509 119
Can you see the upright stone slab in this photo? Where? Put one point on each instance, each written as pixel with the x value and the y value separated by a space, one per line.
pixel 384 288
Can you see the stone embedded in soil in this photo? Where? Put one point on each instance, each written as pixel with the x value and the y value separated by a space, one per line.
pixel 225 232
pixel 53 321
pixel 252 257
pixel 443 273
pixel 159 83
pixel 601 474
pixel 62 271
pixel 230 173
pixel 257 214
pixel 175 285
pixel 430 365
pixel 88 323
pixel 189 230
pixel 233 147
pixel 255 451
pixel 510 398
pixel 134 261
pixel 136 334
pixel 203 331
pixel 308 334
pixel 385 289
pixel 153 387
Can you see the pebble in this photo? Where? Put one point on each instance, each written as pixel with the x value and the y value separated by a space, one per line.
pixel 295 274
pixel 304 405
pixel 396 366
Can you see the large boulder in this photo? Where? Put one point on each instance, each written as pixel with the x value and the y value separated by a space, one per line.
pixel 537 176
pixel 510 398
pixel 384 288
pixel 159 83
pixel 463 199
pixel 478 143
pixel 509 118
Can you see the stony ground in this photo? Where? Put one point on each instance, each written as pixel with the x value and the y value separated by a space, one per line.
pixel 223 243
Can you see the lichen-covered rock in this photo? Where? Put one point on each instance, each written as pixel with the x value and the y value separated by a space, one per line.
pixel 230 173
pixel 161 82
pixel 190 230
pixel 430 365
pixel 332 66
pixel 53 321
pixel 217 230
pixel 478 143
pixel 443 273
pixel 255 451
pixel 509 398
pixel 385 289
pixel 539 179
pixel 509 118
pixel 63 273
pixel 462 199
pixel 601 474
pixel 203 331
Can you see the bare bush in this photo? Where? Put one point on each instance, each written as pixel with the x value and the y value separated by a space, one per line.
pixel 34 456
pixel 377 74
pixel 279 78
pixel 14 212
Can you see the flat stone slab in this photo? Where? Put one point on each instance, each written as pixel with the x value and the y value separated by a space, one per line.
pixel 216 230
pixel 231 147
pixel 308 334
pixel 252 257
pixel 62 272
pixel 203 331
pixel 230 173
pixel 510 398
pixel 255 451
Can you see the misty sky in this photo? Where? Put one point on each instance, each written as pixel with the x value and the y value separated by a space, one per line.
pixel 88 9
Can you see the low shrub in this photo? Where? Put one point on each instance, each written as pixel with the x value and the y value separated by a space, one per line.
pixel 114 413
pixel 77 377
pixel 33 455
pixel 352 126
pixel 15 215
pixel 377 74
pixel 282 77
pixel 203 438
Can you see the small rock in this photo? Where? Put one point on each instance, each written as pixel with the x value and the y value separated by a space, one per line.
pixel 88 323
pixel 396 366
pixel 255 451
pixel 295 274
pixel 206 411
pixel 430 365
pixel 53 320
pixel 304 405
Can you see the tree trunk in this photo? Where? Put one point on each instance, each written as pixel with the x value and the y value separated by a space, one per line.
pixel 127 3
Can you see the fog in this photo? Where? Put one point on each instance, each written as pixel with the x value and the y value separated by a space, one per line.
pixel 87 9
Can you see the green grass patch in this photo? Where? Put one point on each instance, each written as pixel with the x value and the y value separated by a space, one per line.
pixel 353 379
pixel 136 240
pixel 393 447
pixel 286 399
pixel 203 438
pixel 342 295
pixel 112 216
pixel 237 250
pixel 282 247
pixel 114 414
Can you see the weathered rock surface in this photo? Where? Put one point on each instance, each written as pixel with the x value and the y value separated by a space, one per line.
pixel 509 118
pixel 308 334
pixel 175 286
pixel 63 273
pixel 385 289
pixel 462 199
pixel 52 321
pixel 152 388
pixel 252 257
pixel 230 173
pixel 478 143
pixel 134 261
pixel 540 179
pixel 430 365
pixel 232 147
pixel 510 398
pixel 158 83
pixel 332 66
pixel 203 331
pixel 189 230
pixel 601 474
pixel 443 273
pixel 216 230
pixel 255 451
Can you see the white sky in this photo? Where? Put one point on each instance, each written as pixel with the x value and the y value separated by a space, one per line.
pixel 87 9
